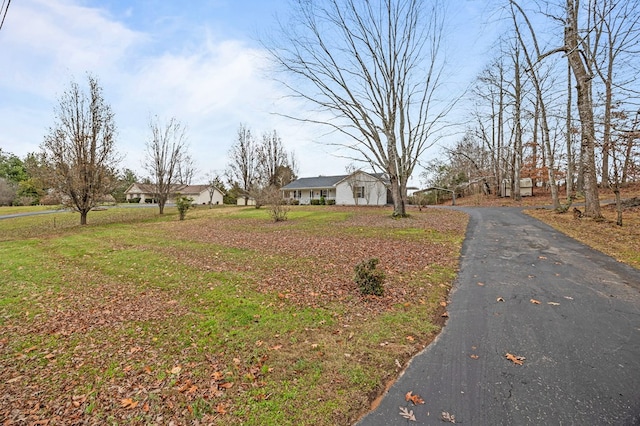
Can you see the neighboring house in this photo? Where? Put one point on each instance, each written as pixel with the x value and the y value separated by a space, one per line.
pixel 526 187
pixel 249 201
pixel 358 188
pixel 199 193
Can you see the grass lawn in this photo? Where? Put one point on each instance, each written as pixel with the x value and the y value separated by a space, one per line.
pixel 619 242
pixel 224 318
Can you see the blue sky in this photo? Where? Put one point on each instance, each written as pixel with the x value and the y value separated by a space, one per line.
pixel 199 61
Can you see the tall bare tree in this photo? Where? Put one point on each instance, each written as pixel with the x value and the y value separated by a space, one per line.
pixel 166 149
pixel 186 170
pixel 616 43
pixel 80 147
pixel 272 159
pixel 375 67
pixel 581 65
pixel 243 162
pixel 541 104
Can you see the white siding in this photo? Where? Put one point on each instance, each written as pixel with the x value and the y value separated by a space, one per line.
pixel 375 193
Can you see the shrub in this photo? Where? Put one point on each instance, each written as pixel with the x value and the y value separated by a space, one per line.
pixel 322 201
pixel 183 204
pixel 315 202
pixel 369 279
pixel 294 201
pixel 331 202
pixel 135 200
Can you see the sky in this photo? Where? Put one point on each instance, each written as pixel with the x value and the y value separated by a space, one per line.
pixel 198 61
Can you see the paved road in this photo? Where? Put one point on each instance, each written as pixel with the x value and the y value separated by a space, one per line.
pixel 582 352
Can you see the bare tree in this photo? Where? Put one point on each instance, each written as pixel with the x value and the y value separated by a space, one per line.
pixel 186 170
pixel 581 63
pixel 166 149
pixel 375 67
pixel 541 105
pixel 214 183
pixel 273 164
pixel 7 192
pixel 353 181
pixel 80 147
pixel 242 167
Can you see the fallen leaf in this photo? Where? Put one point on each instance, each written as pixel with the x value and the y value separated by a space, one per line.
pixel 129 403
pixel 542 257
pixel 227 385
pixel 410 338
pixel 445 314
pixel 499 299
pixel 474 356
pixel 32 348
pixel 568 297
pixel 407 414
pixel 15 379
pixel 176 370
pixel 534 301
pixel 145 407
pixel 446 417
pixel 276 348
pixel 553 303
pixel 480 284
pixel 443 304
pixel 220 409
pixel 416 399
pixel 217 375
pixel 515 358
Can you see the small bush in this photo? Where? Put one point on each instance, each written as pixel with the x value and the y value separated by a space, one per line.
pixel 315 202
pixel 369 279
pixel 135 200
pixel 294 202
pixel 331 202
pixel 183 204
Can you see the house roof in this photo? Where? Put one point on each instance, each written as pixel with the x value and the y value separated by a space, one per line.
pixel 322 182
pixel 315 182
pixel 147 188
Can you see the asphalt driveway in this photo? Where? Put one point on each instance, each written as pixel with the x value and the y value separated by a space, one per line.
pixel 580 343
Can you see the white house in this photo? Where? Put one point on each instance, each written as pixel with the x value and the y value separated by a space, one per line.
pixel 199 193
pixel 358 188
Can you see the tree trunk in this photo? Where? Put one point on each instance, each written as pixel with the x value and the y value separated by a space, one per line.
pixel 399 207
pixel 570 161
pixel 83 217
pixel 585 111
pixel 517 163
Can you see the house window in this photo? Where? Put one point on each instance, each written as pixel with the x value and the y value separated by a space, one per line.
pixel 323 193
pixel 359 191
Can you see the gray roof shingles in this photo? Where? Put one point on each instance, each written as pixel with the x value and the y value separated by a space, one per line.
pixel 314 182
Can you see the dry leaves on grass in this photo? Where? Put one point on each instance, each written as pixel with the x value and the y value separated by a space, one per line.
pixel 338 251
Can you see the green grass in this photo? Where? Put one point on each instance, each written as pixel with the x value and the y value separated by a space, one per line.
pixel 134 306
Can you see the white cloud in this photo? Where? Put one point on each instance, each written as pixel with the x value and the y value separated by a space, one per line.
pixel 209 83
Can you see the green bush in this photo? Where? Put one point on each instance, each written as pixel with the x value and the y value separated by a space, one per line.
pixel 294 202
pixel 369 279
pixel 183 204
pixel 315 202
pixel 135 200
pixel 331 202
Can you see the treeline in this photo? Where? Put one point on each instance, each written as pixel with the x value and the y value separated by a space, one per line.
pixel 558 103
